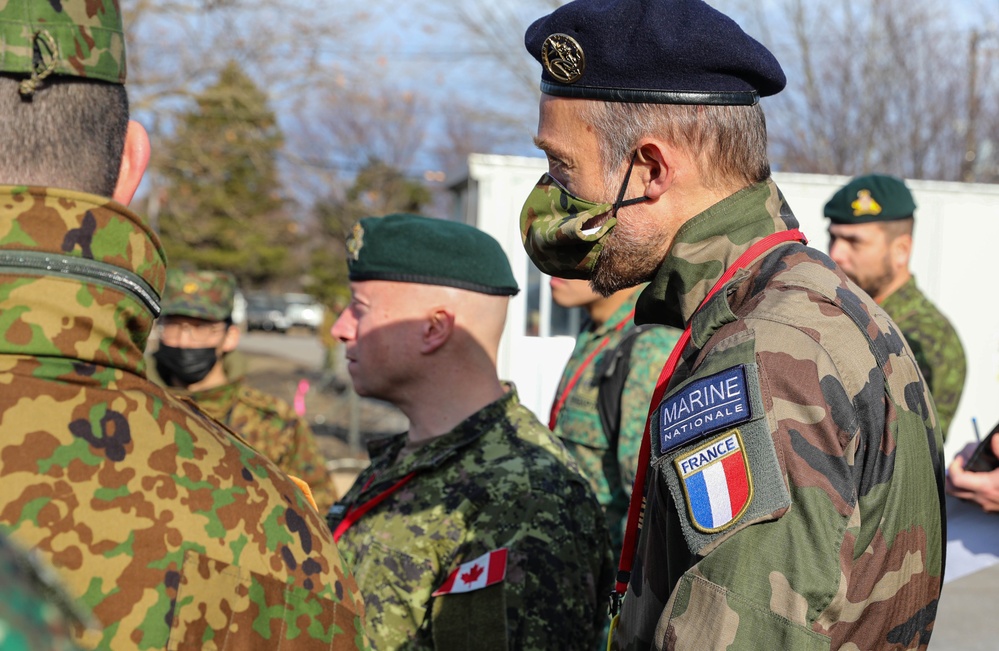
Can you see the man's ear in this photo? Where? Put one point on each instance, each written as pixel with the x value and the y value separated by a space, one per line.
pixel 901 250
pixel 653 165
pixel 437 329
pixel 134 161
pixel 231 339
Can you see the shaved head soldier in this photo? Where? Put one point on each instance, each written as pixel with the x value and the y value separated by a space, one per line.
pixel 793 476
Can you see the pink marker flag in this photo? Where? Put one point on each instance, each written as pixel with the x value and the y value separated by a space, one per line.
pixel 484 571
pixel 303 388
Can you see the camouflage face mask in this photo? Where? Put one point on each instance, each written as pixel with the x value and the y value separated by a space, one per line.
pixel 563 234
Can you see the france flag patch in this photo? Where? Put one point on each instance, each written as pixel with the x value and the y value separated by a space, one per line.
pixel 716 481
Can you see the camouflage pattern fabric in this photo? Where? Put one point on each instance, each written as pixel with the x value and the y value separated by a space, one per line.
pixel 840 543
pixel 78 38
pixel 271 426
pixel 172 532
pixel 610 465
pixel 935 344
pixel 35 612
pixel 499 479
pixel 207 295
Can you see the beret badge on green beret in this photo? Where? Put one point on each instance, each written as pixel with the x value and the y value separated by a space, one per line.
pixel 355 241
pixel 865 204
pixel 563 58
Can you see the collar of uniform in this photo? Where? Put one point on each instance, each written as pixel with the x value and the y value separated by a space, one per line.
pixel 438 451
pixel 705 246
pixel 216 401
pixel 907 293
pixel 62 315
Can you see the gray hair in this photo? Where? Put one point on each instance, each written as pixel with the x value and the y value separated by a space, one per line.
pixel 728 142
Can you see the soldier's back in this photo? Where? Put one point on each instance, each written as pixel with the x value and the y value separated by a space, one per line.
pixel 172 532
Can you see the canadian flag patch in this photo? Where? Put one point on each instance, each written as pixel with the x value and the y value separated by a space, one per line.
pixel 484 571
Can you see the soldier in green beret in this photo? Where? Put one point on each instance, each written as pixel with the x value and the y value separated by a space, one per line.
pixel 870 238
pixel 792 464
pixel 474 529
pixel 196 336
pixel 171 531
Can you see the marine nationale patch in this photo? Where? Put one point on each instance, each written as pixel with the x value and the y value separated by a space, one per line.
pixel 705 406
pixel 717 482
pixel 562 56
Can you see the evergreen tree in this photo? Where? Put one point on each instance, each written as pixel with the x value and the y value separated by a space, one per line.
pixel 223 207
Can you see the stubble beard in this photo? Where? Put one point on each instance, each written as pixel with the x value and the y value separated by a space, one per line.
pixel 626 261
pixel 874 283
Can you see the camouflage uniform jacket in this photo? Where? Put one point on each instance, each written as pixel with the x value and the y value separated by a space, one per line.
pixel 271 426
pixel 173 533
pixel 35 612
pixel 795 499
pixel 935 344
pixel 610 464
pixel 500 479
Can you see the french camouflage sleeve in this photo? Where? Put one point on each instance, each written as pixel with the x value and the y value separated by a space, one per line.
pixel 493 542
pixel 934 343
pixel 795 496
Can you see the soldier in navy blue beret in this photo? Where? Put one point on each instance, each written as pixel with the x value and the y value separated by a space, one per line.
pixel 775 509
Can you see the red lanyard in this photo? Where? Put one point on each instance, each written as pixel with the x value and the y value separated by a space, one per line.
pixel 558 404
pixel 354 514
pixel 637 503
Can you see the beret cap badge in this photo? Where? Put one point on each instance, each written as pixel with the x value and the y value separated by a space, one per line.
pixel 865 204
pixel 563 58
pixel 355 241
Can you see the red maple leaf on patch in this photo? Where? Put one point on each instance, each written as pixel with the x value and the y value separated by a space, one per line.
pixel 472 575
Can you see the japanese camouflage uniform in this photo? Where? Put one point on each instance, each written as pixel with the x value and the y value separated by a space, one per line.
pixel 499 480
pixel 35 612
pixel 795 494
pixel 174 534
pixel 822 525
pixel 486 537
pixel 266 422
pixel 271 426
pixel 608 462
pixel 934 342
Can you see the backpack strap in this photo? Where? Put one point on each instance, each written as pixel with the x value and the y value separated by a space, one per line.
pixel 611 376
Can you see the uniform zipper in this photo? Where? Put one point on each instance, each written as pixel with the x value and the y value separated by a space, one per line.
pixel 48 264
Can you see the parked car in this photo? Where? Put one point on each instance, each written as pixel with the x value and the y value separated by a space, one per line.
pixel 266 312
pixel 303 310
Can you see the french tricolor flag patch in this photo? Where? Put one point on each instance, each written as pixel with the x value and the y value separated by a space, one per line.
pixel 717 482
pixel 484 571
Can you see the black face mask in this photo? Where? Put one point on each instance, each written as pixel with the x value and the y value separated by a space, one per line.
pixel 185 365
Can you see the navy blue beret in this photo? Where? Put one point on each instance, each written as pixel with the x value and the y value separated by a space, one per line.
pixel 655 51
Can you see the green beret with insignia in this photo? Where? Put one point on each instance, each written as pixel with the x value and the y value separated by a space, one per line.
pixel 207 295
pixel 416 249
pixel 871 198
pixel 76 38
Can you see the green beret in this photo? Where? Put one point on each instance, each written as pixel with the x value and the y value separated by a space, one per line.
pixel 76 38
pixel 207 295
pixel 871 198
pixel 415 249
